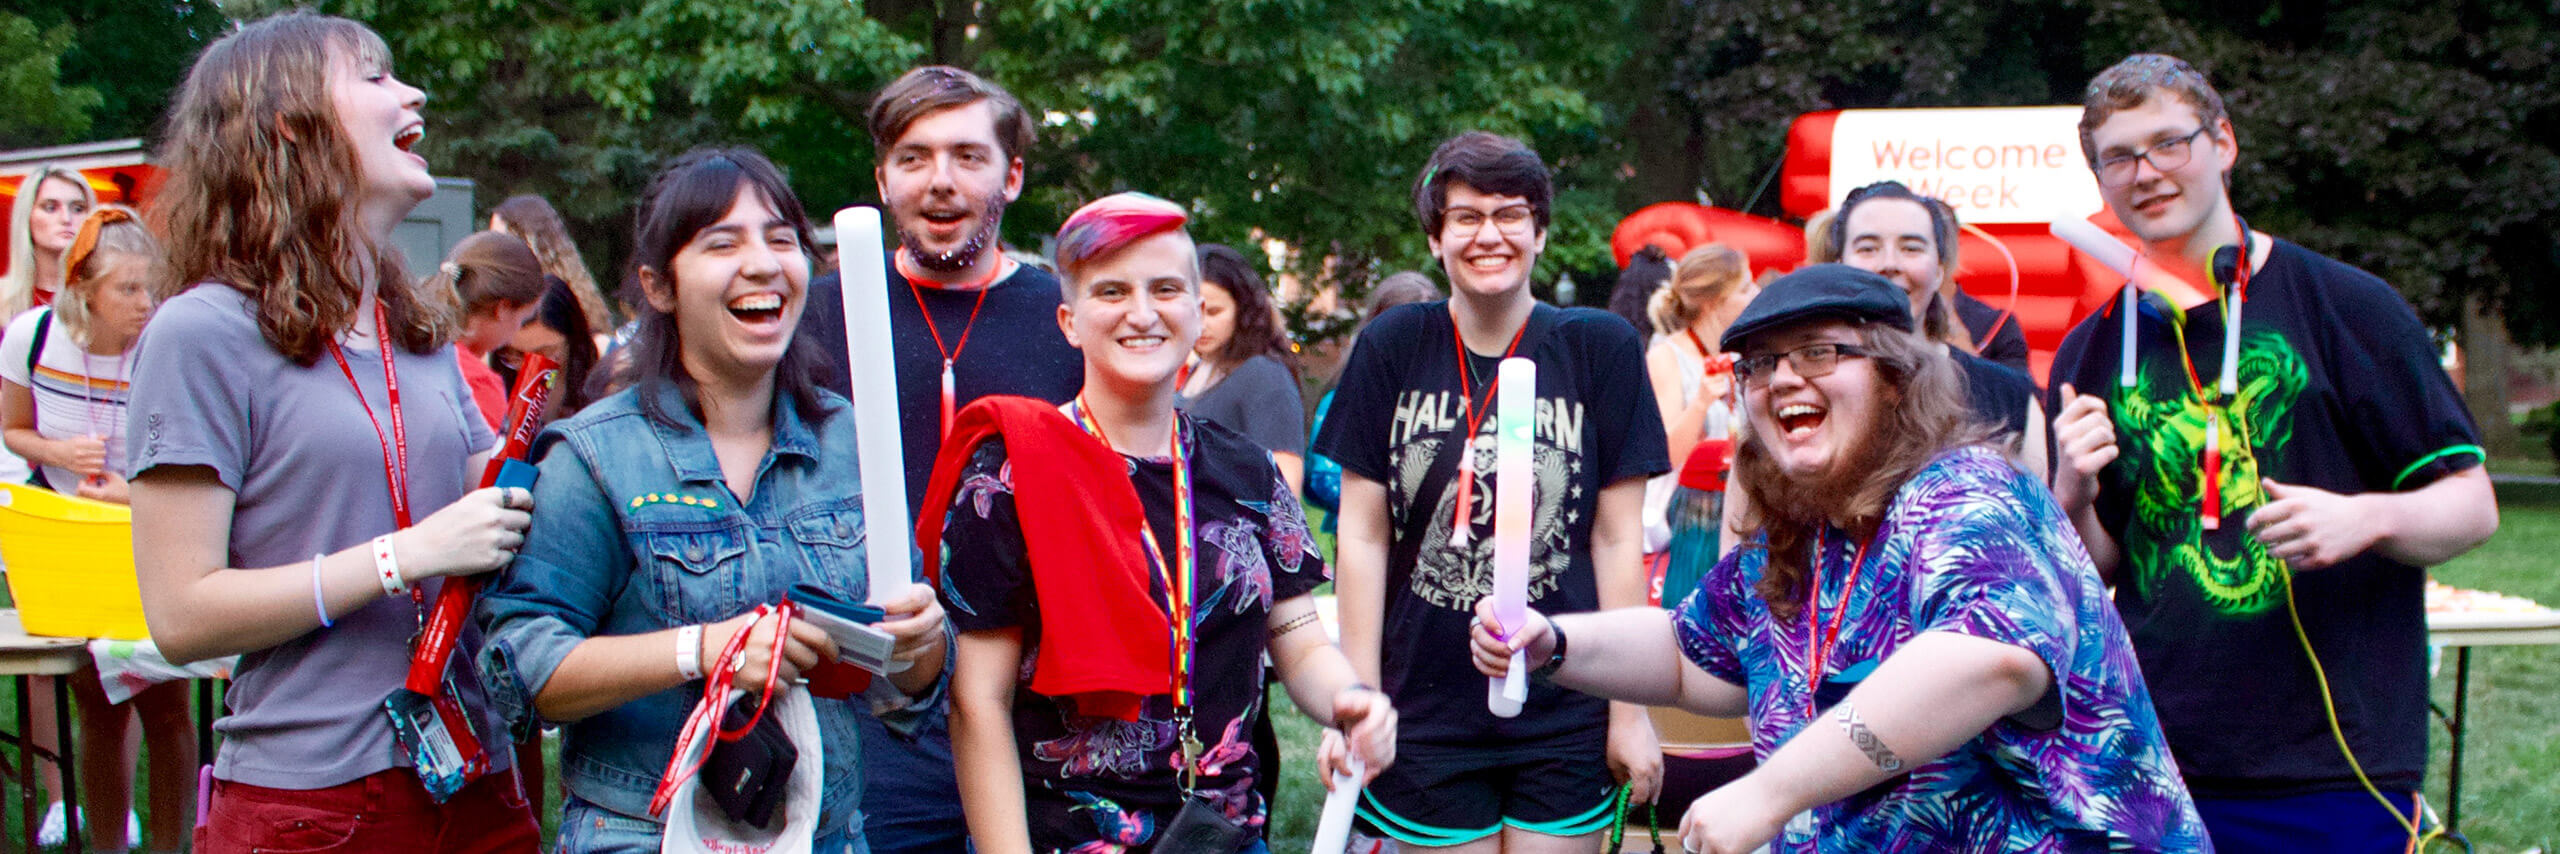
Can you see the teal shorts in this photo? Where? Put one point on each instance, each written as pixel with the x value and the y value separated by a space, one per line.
pixel 1438 795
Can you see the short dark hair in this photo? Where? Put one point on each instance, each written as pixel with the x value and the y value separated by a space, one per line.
pixel 1258 329
pixel 1489 162
pixel 2130 82
pixel 926 90
pixel 691 194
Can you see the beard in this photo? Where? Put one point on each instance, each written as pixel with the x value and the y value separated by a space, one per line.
pixel 1826 497
pixel 966 254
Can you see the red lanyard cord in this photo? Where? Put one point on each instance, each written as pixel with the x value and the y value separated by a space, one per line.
pixel 395 444
pixel 714 705
pixel 1462 522
pixel 1817 644
pixel 950 354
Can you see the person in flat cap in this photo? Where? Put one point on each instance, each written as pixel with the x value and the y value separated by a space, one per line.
pixel 1925 655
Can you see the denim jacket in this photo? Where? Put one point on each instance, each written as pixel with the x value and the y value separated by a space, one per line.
pixel 634 530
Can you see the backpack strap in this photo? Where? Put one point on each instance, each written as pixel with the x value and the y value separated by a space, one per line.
pixel 44 327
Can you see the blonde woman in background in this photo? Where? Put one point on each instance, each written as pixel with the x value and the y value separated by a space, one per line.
pixel 63 380
pixel 51 202
pixel 1693 383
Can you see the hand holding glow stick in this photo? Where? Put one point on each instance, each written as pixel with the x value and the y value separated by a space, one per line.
pixel 1333 827
pixel 887 539
pixel 1514 411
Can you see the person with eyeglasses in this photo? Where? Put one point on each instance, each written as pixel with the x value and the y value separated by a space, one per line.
pixel 1414 548
pixel 2262 472
pixel 1927 660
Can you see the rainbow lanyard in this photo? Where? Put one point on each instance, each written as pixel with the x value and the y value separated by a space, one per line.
pixel 1178 578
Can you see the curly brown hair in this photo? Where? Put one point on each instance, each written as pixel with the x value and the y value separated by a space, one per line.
pixel 1924 414
pixel 256 192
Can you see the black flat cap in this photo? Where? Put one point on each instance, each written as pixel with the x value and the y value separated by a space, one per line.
pixel 1822 290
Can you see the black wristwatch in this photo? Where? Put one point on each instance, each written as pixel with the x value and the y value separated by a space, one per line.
pixel 1555 659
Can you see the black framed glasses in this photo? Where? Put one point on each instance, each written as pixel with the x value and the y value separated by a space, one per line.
pixel 2164 155
pixel 1809 361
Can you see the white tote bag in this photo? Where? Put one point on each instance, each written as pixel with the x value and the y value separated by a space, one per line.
pixel 696 824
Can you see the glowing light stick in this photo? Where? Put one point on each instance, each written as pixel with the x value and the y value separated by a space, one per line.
pixel 886 535
pixel 2097 243
pixel 1333 827
pixel 1514 410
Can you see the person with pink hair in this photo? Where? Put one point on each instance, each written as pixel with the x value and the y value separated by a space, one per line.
pixel 1141 562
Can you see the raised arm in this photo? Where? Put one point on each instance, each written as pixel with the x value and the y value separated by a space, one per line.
pixel 1628 655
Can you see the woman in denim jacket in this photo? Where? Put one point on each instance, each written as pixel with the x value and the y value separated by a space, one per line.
pixel 721 479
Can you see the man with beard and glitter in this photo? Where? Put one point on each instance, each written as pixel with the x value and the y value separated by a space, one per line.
pixel 967 322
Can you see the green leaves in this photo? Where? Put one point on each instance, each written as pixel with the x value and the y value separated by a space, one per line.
pixel 35 106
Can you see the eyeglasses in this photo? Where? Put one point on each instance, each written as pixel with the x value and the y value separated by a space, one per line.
pixel 2164 155
pixel 1512 219
pixel 1809 361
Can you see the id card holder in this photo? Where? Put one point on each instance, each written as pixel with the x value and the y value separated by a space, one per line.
pixel 437 738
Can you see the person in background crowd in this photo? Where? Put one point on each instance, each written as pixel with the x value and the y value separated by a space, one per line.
pixel 1693 383
pixel 499 282
pixel 66 376
pixel 558 330
pixel 1909 239
pixel 727 414
pixel 1242 374
pixel 1647 272
pixel 965 322
pixel 2266 536
pixel 51 201
pixel 533 220
pixel 1324 476
pixel 1107 743
pixel 1973 691
pixel 304 484
pixel 1415 550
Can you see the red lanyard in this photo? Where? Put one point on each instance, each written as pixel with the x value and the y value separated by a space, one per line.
pixel 395 445
pixel 706 717
pixel 1817 644
pixel 949 354
pixel 1462 522
pixel 1716 363
pixel 1177 576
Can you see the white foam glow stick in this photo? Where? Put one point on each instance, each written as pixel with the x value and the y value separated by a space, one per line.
pixel 887 540
pixel 2097 243
pixel 1333 827
pixel 1515 410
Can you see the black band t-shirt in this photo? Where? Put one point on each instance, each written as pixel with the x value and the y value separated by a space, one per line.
pixel 1396 419
pixel 2338 389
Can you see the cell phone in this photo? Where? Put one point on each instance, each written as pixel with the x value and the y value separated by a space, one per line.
pixel 850 623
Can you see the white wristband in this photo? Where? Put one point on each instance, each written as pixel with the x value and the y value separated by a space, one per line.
pixel 386 567
pixel 689 652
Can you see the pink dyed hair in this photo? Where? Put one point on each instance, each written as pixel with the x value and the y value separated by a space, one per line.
pixel 1108 224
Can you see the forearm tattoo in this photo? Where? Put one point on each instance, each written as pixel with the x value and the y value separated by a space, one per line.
pixel 1866 739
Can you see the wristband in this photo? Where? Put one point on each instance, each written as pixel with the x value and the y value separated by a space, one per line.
pixel 317 603
pixel 1555 659
pixel 386 567
pixel 689 652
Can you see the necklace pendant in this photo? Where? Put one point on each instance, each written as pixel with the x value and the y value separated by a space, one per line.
pixel 949 395
pixel 1462 519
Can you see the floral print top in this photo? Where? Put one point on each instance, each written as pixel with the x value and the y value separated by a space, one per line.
pixel 1098 785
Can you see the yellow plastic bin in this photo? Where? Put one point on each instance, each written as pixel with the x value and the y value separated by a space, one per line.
pixel 70 564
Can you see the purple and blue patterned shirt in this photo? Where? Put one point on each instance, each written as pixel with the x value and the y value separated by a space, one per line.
pixel 1973 546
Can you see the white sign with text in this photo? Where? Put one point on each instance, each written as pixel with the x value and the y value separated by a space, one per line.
pixel 1992 164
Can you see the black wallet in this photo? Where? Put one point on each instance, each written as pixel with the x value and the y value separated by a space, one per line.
pixel 749 777
pixel 1200 829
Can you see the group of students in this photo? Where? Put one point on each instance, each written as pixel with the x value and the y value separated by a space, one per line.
pixel 1927 654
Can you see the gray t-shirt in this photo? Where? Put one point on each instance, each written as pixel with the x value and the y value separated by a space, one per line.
pixel 1260 400
pixel 307 469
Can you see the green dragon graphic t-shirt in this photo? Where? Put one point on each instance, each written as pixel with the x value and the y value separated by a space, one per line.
pixel 2339 389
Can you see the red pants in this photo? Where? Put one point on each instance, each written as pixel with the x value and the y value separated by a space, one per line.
pixel 387 811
